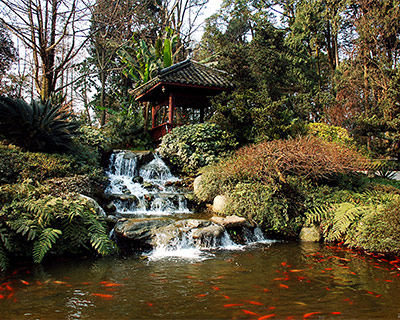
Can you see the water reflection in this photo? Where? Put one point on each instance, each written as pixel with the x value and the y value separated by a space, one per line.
pixel 277 281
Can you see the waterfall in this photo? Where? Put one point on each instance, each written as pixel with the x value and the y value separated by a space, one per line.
pixel 150 204
pixel 141 188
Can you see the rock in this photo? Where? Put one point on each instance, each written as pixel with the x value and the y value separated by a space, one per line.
pixel 310 234
pixel 219 204
pixel 125 190
pixel 112 219
pixel 208 234
pixel 169 183
pixel 189 224
pixel 189 196
pixel 197 185
pixel 147 185
pixel 141 230
pixel 93 203
pixel 148 197
pixel 110 207
pixel 137 179
pixel 231 221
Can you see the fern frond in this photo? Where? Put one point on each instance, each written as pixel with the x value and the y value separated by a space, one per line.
pixel 4 262
pixel 45 242
pixel 318 214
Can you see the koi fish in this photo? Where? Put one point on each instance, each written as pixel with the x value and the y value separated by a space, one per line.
pixel 308 315
pixel 283 286
pixel 101 295
pixel 266 290
pixel 328 269
pixel 226 297
pixel 256 303
pixel 336 313
pixel 284 264
pixel 230 305
pixel 85 283
pixel 201 295
pixel 59 282
pixel 297 270
pixel 267 316
pixel 249 312
pixel 113 285
pixel 1 296
pixel 24 282
pixel 150 304
pixel 272 308
pixel 388 280
pixel 216 288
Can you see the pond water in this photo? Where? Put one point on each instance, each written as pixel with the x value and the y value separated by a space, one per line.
pixel 273 280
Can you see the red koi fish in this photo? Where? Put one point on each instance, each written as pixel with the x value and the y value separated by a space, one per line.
pixel 201 295
pixel 101 295
pixel 249 312
pixel 256 303
pixel 150 304
pixel 226 297
pixel 24 282
pixel 271 308
pixel 336 313
pixel 230 305
pixel 283 286
pixel 113 285
pixel 216 288
pixel 267 316
pixel 309 315
pixel 1 296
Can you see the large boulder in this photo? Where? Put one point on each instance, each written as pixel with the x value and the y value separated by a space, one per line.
pixel 93 203
pixel 219 204
pixel 197 185
pixel 208 236
pixel 231 221
pixel 310 234
pixel 141 230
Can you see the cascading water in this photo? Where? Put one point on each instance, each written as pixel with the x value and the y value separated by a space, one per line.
pixel 144 192
pixel 143 189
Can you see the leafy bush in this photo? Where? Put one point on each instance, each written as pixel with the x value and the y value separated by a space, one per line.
pixel 34 223
pixel 191 147
pixel 275 183
pixel 125 129
pixel 38 126
pixel 16 165
pixel 369 220
pixel 330 133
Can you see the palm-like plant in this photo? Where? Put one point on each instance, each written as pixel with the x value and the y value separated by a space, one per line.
pixel 37 126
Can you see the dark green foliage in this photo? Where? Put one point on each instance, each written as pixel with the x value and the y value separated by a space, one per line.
pixel 125 129
pixel 34 223
pixel 38 126
pixel 191 147
pixel 16 165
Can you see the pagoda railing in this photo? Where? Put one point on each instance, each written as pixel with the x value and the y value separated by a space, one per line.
pixel 160 131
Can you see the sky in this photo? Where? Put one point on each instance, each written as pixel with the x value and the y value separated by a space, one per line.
pixel 211 8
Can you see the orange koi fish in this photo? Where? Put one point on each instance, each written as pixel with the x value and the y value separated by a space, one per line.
pixel 308 315
pixel 230 305
pixel 272 308
pixel 59 282
pixel 256 303
pixel 1 296
pixel 216 288
pixel 249 312
pixel 150 304
pixel 113 285
pixel 296 270
pixel 101 295
pixel 226 297
pixel 336 313
pixel 24 282
pixel 201 295
pixel 267 316
pixel 283 286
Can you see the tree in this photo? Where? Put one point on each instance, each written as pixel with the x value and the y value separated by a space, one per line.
pixel 52 31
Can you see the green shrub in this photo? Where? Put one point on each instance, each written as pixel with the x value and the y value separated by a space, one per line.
pixel 191 147
pixel 17 165
pixel 34 223
pixel 369 220
pixel 125 130
pixel 330 133
pixel 38 126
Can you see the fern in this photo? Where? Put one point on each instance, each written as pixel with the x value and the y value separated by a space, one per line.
pixel 45 242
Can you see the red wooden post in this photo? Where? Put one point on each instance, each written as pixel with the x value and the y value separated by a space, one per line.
pixel 153 117
pixel 171 106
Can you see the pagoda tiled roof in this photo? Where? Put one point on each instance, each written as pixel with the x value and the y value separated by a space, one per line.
pixel 190 73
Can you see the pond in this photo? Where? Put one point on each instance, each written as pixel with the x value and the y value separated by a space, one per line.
pixel 275 280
